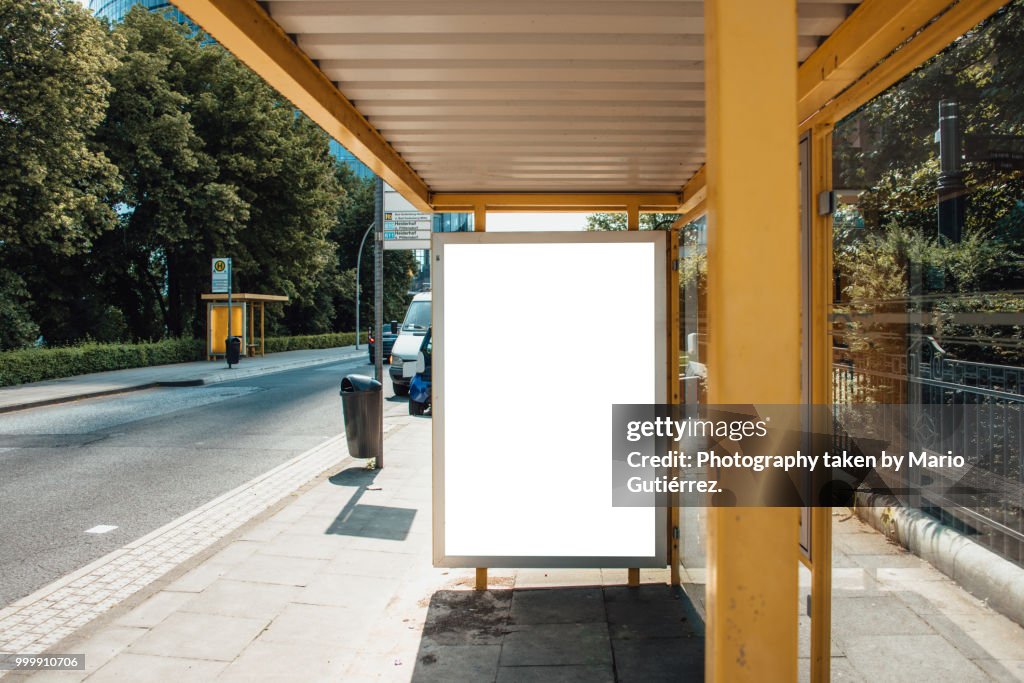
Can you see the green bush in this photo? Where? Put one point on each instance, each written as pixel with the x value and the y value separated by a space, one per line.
pixel 311 341
pixel 34 365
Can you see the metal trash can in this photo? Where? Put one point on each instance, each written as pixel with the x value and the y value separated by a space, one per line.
pixel 362 406
pixel 233 349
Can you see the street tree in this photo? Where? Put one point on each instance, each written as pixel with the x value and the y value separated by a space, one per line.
pixel 215 162
pixel 54 181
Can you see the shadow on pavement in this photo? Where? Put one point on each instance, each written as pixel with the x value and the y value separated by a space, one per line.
pixel 591 633
pixel 368 521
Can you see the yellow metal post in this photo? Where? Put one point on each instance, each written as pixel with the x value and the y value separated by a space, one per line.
pixel 673 394
pixel 479 218
pixel 753 319
pixel 821 393
pixel 633 217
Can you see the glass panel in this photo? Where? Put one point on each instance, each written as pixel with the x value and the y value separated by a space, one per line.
pixel 928 241
pixel 692 387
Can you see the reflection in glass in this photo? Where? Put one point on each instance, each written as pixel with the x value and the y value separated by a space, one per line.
pixel 928 254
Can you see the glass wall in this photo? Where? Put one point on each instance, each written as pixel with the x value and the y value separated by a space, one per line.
pixel 928 261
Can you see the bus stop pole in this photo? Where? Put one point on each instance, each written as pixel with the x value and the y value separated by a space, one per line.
pixel 359 267
pixel 378 305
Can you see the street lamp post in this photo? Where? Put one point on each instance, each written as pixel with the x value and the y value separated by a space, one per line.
pixel 359 263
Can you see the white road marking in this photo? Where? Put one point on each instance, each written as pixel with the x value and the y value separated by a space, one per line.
pixel 100 529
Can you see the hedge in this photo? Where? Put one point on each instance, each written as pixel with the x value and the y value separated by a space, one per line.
pixel 34 365
pixel 311 341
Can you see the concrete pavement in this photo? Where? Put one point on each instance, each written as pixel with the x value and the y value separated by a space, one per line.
pixel 179 374
pixel 337 584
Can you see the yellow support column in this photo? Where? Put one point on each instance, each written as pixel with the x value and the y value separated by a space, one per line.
pixel 753 319
pixel 821 394
pixel 633 217
pixel 479 218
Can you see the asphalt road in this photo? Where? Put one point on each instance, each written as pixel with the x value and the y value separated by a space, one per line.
pixel 140 460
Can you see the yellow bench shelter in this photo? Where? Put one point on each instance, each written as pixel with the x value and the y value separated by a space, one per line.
pixel 244 308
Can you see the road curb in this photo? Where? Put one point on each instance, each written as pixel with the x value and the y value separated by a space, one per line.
pixel 198 382
pixel 986 575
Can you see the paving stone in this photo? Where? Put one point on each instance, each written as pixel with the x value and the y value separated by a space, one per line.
pixel 840 669
pixel 871 616
pixel 1003 671
pixel 467 617
pixel 199 636
pixel 900 658
pixel 557 606
pixel 937 596
pixel 287 662
pixel 650 660
pixel 146 668
pixel 448 663
pixel 292 571
pixel 240 599
pixel 567 578
pixel 646 611
pixel 155 609
pixel 553 644
pixel 317 624
pixel 997 635
pixel 804 639
pixel 888 560
pixel 354 561
pixel 310 546
pixel 347 590
pixel 868 543
pixel 556 674
pixel 104 645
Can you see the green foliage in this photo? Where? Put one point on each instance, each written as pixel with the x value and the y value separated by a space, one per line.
pixel 136 152
pixel 693 269
pixel 33 365
pixel 899 280
pixel 16 327
pixel 53 92
pixel 617 221
pixel 214 163
pixel 311 341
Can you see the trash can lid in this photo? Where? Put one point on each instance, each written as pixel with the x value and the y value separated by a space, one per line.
pixel 355 383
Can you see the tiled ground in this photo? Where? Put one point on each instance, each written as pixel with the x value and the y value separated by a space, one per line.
pixel 338 585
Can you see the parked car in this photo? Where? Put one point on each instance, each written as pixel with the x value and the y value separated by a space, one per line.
pixel 407 347
pixel 390 335
pixel 420 386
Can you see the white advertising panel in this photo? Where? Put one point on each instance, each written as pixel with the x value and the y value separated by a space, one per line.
pixel 537 335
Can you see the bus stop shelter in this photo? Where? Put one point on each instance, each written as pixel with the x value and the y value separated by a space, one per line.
pixel 721 108
pixel 245 309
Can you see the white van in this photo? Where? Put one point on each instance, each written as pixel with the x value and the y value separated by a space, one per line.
pixel 407 346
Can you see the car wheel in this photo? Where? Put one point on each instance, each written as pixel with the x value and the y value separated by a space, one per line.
pixel 401 390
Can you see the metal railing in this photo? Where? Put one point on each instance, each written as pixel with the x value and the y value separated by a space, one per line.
pixel 991 441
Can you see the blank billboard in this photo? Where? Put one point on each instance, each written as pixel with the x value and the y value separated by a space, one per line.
pixel 537 335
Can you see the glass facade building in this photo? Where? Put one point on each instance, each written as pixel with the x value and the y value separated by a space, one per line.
pixel 114 10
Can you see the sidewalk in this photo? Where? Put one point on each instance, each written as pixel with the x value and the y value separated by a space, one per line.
pixel 337 584
pixel 180 374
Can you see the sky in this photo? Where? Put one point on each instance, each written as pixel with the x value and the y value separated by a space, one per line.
pixel 521 222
